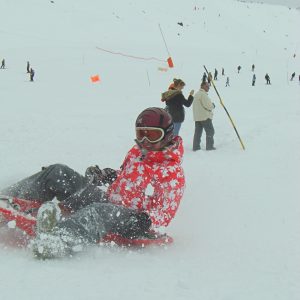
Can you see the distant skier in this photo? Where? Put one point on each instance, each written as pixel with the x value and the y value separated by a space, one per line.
pixel 223 72
pixel 216 74
pixel 227 81
pixel 2 64
pixel 31 73
pixel 253 80
pixel 267 77
pixel 239 69
pixel 293 75
pixel 28 67
pixel 253 67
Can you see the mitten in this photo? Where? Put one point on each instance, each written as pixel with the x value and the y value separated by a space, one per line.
pixel 100 177
pixel 109 175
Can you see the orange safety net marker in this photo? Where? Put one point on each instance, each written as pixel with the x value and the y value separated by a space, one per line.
pixel 170 62
pixel 95 78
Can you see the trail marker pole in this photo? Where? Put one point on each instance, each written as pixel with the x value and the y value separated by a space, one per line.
pixel 232 123
pixel 169 60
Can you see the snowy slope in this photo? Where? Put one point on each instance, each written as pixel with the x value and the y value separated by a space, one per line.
pixel 287 3
pixel 237 230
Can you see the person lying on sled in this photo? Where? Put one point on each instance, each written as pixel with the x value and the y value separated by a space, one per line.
pixel 124 208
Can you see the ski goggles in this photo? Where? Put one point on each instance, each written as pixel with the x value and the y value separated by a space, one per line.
pixel 151 134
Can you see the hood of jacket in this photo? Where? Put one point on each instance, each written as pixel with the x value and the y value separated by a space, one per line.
pixel 168 95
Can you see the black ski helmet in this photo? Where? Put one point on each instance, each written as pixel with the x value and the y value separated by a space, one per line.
pixel 159 118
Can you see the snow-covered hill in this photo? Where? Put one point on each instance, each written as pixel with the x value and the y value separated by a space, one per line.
pixel 287 3
pixel 237 230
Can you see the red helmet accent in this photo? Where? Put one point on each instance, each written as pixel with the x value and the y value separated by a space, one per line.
pixel 157 117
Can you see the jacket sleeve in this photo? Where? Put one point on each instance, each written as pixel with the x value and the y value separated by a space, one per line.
pixel 169 184
pixel 129 187
pixel 207 103
pixel 186 102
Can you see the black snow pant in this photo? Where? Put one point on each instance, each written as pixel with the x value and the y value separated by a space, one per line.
pixel 93 215
pixel 69 187
pixel 207 125
pixel 94 221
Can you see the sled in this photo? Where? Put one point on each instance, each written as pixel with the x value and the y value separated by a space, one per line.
pixel 158 239
pixel 20 215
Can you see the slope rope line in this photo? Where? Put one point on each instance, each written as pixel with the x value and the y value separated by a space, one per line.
pixel 131 56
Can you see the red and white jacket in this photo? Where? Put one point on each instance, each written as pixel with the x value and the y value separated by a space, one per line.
pixel 158 171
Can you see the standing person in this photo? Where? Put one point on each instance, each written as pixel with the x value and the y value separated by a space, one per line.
pixel 175 102
pixel 239 69
pixel 293 75
pixel 155 160
pixel 227 81
pixel 253 67
pixel 31 74
pixel 203 114
pixel 223 72
pixel 28 67
pixel 299 78
pixel 2 64
pixel 216 74
pixel 253 80
pixel 267 77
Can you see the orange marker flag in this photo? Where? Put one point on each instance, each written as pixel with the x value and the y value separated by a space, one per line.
pixel 170 62
pixel 95 78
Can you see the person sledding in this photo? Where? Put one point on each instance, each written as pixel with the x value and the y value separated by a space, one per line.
pixel 125 208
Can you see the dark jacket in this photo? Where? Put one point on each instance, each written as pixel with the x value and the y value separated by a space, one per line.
pixel 175 103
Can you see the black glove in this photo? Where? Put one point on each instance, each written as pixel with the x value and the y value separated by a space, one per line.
pixel 110 175
pixel 100 177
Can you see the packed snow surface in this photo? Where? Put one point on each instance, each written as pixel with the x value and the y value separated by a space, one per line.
pixel 237 231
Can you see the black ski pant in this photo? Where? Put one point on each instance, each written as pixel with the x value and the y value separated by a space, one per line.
pixel 69 187
pixel 94 221
pixel 93 215
pixel 207 125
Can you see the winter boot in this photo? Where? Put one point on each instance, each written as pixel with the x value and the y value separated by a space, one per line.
pixel 48 243
pixel 47 217
pixel 59 243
